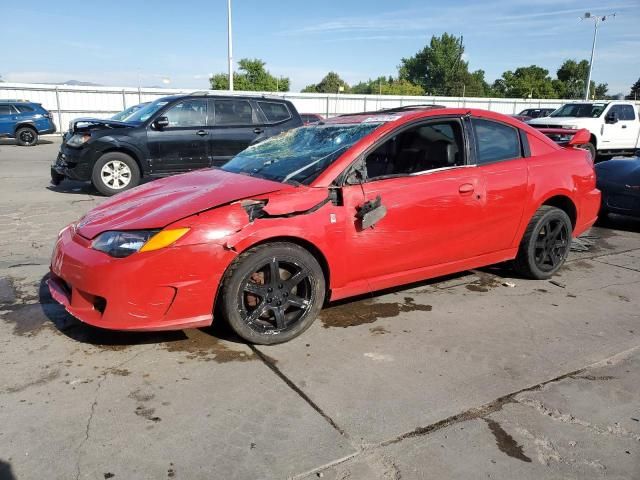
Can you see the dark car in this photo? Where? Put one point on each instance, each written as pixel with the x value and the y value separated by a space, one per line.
pixel 311 118
pixel 24 121
pixel 619 181
pixel 170 135
pixel 529 113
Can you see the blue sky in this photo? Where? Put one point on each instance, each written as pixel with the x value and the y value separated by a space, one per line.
pixel 185 41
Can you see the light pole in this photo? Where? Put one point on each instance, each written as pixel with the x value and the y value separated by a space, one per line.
pixel 230 45
pixel 597 19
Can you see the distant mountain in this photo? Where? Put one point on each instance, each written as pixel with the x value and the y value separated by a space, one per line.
pixel 79 83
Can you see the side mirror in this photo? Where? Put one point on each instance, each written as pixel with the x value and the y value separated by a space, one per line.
pixel 612 117
pixel 161 122
pixel 582 137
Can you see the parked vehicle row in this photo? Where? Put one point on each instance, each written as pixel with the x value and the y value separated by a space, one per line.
pixel 531 113
pixel 170 135
pixel 25 121
pixel 614 125
pixel 353 204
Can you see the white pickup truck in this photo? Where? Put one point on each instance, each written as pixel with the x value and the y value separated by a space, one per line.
pixel 614 125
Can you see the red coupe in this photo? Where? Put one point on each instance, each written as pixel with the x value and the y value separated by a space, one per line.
pixel 356 204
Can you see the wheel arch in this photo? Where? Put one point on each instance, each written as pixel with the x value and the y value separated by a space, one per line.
pixel 566 204
pixel 26 124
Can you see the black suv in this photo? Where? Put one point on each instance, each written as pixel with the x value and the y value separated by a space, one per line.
pixel 170 135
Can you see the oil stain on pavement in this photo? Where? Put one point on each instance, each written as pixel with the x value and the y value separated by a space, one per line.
pixel 505 442
pixel 367 311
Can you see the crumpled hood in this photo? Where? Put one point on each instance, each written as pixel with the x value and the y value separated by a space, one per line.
pixel 162 202
pixel 87 123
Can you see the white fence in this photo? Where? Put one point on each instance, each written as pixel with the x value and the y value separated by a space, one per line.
pixel 68 102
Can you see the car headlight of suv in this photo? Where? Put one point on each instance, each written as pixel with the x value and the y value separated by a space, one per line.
pixel 120 244
pixel 78 139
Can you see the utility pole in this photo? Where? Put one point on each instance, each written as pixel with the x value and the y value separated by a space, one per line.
pixel 230 43
pixel 597 19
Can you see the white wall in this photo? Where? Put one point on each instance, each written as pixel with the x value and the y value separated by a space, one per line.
pixel 68 102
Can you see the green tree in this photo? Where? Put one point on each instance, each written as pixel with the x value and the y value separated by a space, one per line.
pixel 387 86
pixel 331 83
pixel 439 69
pixel 526 82
pixel 572 76
pixel 601 91
pixel 634 94
pixel 251 76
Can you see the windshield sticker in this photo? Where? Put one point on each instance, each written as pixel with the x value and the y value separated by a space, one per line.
pixel 381 118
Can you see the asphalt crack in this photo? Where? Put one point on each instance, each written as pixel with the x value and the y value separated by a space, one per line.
pixel 102 377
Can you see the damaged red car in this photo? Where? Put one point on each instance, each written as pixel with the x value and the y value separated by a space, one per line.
pixel 354 204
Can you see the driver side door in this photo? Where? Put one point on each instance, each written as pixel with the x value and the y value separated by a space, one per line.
pixel 183 144
pixel 433 200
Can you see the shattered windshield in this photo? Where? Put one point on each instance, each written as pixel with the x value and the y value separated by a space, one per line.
pixel 298 155
pixel 146 112
pixel 590 110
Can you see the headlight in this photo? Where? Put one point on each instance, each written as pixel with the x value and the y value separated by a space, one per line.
pixel 571 127
pixel 78 139
pixel 123 244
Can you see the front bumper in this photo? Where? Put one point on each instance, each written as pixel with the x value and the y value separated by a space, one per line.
pixel 73 163
pixel 167 289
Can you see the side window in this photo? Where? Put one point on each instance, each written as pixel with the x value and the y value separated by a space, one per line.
pixel 234 112
pixel 190 113
pixel 626 112
pixel 5 110
pixel 495 141
pixel 425 147
pixel 24 108
pixel 275 112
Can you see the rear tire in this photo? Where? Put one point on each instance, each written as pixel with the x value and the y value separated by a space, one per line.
pixel 545 244
pixel 272 293
pixel 26 137
pixel 115 172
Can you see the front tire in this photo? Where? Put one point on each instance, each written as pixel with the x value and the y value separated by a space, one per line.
pixel 545 244
pixel 26 137
pixel 115 172
pixel 272 293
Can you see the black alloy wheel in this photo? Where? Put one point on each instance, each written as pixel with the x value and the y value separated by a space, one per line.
pixel 273 292
pixel 551 245
pixel 275 296
pixel 26 137
pixel 545 243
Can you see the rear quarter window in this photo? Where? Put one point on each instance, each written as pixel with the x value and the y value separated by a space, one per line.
pixel 495 141
pixel 274 111
pixel 25 108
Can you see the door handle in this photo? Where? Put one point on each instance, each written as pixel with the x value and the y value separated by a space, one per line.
pixel 258 130
pixel 624 126
pixel 466 188
pixel 202 133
